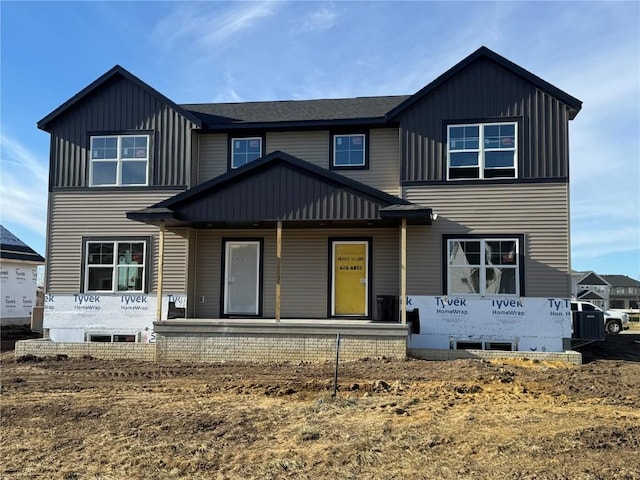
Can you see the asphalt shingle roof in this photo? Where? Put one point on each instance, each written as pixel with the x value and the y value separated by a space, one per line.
pixel 12 248
pixel 621 281
pixel 218 114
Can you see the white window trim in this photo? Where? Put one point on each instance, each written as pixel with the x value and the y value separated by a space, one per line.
pixel 364 150
pixel 114 266
pixel 481 150
pixel 233 139
pixel 119 160
pixel 483 266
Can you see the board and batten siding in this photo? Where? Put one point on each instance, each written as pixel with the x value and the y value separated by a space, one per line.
pixel 305 264
pixel 538 211
pixel 75 215
pixel 485 90
pixel 119 106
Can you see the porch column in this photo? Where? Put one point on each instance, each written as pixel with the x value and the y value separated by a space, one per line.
pixel 160 272
pixel 278 266
pixel 403 271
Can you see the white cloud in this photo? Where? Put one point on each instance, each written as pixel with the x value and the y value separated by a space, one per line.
pixel 225 91
pixel 322 19
pixel 23 186
pixel 207 25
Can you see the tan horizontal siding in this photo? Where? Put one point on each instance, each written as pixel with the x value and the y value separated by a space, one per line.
pixel 103 214
pixel 305 268
pixel 312 147
pixel 539 211
pixel 384 162
pixel 213 156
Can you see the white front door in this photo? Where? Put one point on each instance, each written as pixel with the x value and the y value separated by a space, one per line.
pixel 242 277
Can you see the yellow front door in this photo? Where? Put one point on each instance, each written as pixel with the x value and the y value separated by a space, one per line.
pixel 350 278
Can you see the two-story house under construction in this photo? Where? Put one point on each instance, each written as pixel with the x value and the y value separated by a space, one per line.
pixel 260 230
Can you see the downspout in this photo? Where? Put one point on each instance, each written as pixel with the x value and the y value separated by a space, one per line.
pixel 160 272
pixel 278 267
pixel 403 272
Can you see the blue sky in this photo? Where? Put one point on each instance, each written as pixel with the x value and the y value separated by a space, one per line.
pixel 197 52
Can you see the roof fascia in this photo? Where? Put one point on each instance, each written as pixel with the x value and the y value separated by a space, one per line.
pixel 574 104
pixel 256 165
pixel 301 125
pixel 45 123
pixel 23 257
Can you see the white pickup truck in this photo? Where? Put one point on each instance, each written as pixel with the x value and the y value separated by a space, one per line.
pixel 614 321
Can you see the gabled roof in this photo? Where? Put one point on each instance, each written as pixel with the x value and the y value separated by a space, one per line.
pixel 593 278
pixel 280 186
pixel 589 295
pixel 381 110
pixel 621 281
pixel 325 111
pixel 12 248
pixel 483 52
pixel 116 71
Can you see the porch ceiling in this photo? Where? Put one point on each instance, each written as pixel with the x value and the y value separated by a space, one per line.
pixel 280 187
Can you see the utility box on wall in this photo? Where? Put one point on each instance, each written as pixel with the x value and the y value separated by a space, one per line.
pixel 387 308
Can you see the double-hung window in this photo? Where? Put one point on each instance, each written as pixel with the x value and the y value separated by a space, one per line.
pixel 349 151
pixel 482 151
pixel 119 160
pixel 483 266
pixel 115 266
pixel 245 150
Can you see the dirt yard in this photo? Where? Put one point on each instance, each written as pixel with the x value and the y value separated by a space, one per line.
pixel 93 419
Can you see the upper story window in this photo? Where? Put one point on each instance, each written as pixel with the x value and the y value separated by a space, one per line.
pixel 349 151
pixel 245 150
pixel 115 266
pixel 119 160
pixel 632 290
pixel 483 266
pixel 482 151
pixel 620 290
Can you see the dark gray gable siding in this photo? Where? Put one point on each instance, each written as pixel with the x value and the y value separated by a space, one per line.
pixel 592 279
pixel 280 192
pixel 588 295
pixel 120 105
pixel 486 90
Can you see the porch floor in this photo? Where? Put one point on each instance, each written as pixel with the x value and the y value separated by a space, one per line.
pixel 320 326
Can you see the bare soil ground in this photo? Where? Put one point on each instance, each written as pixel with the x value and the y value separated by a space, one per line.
pixel 472 419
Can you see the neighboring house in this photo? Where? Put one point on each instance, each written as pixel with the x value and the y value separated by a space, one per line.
pixel 606 291
pixel 624 292
pixel 18 279
pixel 593 288
pixel 314 212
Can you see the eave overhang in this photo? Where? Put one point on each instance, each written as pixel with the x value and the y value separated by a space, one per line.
pixel 280 187
pixel 573 104
pixel 116 71
pixel 360 123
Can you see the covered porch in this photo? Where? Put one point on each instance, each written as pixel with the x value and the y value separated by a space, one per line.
pixel 283 256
